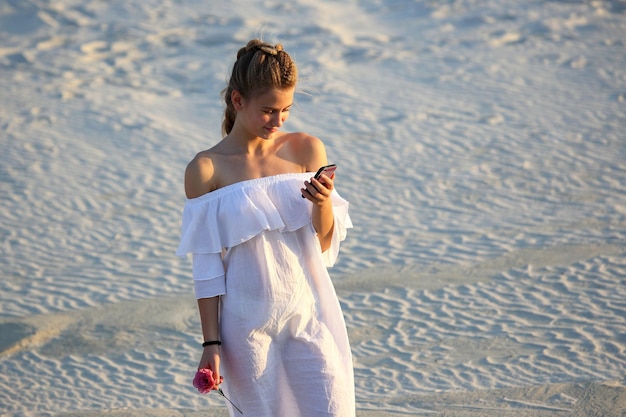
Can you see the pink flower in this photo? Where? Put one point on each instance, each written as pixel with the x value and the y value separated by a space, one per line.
pixel 204 381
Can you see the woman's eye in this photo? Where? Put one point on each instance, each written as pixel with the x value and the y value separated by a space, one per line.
pixel 277 111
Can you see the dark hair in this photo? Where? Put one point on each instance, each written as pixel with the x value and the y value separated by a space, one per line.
pixel 260 66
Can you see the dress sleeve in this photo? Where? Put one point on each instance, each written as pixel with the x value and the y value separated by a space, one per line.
pixel 208 275
pixel 340 228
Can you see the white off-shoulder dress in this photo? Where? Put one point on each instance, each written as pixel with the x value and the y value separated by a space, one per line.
pixel 285 349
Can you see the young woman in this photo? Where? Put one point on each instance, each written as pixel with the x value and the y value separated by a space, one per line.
pixel 262 232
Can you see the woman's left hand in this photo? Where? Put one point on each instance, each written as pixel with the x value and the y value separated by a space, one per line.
pixel 318 191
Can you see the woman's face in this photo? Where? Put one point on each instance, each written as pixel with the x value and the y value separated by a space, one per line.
pixel 265 113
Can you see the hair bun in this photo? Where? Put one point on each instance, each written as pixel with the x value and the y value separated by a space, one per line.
pixel 258 45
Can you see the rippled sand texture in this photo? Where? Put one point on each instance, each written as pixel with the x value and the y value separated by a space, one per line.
pixel 481 145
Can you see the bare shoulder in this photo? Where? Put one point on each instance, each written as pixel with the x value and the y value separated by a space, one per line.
pixel 308 150
pixel 199 175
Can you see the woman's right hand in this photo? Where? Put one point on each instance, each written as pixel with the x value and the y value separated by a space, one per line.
pixel 211 360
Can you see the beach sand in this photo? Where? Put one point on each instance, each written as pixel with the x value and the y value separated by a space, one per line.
pixel 481 145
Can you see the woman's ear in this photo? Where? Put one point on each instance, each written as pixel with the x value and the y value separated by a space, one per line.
pixel 237 99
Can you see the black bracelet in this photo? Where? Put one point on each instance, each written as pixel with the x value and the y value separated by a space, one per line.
pixel 212 342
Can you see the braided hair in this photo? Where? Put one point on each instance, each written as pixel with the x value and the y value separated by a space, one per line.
pixel 260 66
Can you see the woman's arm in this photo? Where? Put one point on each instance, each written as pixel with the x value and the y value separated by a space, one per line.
pixel 198 181
pixel 319 191
pixel 209 319
pixel 322 213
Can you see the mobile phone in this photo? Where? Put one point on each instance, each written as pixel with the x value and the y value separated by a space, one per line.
pixel 328 170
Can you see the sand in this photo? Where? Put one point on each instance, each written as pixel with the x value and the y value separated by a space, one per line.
pixel 481 145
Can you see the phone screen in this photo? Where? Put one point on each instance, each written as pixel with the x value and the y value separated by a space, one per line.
pixel 328 170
